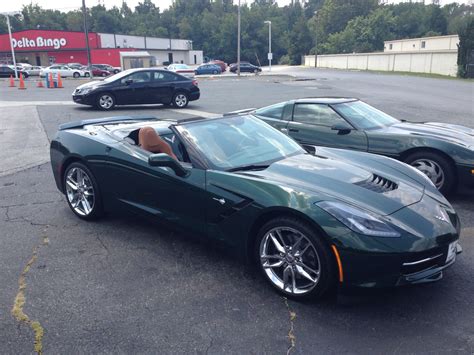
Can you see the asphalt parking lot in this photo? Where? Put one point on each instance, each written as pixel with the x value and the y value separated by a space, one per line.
pixel 124 285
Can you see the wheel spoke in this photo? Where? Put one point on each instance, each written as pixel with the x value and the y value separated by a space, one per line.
pixel 71 183
pixel 303 265
pixel 280 261
pixel 286 278
pixel 297 243
pixel 86 205
pixel 277 244
pixel 303 273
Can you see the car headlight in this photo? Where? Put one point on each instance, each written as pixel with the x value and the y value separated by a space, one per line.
pixel 86 90
pixel 357 220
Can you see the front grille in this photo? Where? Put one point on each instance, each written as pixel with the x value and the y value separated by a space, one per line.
pixel 378 183
pixel 424 261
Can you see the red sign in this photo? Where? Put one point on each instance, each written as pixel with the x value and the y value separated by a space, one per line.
pixel 40 40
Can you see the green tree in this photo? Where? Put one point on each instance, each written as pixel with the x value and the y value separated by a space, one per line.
pixel 466 48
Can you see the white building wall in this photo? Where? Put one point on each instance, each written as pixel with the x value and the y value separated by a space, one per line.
pixel 157 43
pixel 434 62
pixel 415 44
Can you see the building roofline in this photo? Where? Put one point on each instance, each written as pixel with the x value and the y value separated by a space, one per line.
pixel 46 30
pixel 419 38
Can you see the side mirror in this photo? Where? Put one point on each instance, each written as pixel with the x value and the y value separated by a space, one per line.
pixel 342 127
pixel 164 160
pixel 128 81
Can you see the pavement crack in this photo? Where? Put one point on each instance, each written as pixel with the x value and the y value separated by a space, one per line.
pixel 20 300
pixel 291 332
pixel 102 243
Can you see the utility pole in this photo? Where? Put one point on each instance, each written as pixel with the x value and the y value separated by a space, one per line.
pixel 86 33
pixel 7 15
pixel 270 54
pixel 238 40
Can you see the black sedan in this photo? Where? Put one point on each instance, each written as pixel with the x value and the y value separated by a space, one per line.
pixel 138 86
pixel 7 70
pixel 245 68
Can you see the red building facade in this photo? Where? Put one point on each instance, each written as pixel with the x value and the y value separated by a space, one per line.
pixel 42 47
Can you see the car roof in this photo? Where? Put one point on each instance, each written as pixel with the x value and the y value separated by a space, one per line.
pixel 328 100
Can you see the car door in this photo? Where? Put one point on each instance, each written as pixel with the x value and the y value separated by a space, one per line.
pixel 134 88
pixel 157 192
pixel 313 124
pixel 163 86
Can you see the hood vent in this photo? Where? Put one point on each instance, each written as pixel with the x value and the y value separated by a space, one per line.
pixel 377 183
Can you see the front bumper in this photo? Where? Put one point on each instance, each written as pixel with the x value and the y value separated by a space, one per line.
pixel 83 99
pixel 465 175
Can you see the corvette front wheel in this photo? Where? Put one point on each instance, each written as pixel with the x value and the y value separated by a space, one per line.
pixel 82 192
pixel 295 259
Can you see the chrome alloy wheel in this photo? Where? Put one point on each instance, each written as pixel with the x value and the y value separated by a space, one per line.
pixel 80 191
pixel 181 100
pixel 431 169
pixel 106 101
pixel 290 260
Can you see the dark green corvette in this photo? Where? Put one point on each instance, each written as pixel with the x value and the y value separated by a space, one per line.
pixel 444 152
pixel 309 220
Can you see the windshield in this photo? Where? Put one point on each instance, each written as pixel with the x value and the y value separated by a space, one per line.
pixel 232 142
pixel 118 75
pixel 364 116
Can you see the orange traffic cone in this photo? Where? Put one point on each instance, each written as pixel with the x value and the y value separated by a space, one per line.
pixel 40 84
pixel 50 81
pixel 12 82
pixel 60 82
pixel 22 83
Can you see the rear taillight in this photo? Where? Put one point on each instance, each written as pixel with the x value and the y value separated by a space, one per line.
pixel 195 82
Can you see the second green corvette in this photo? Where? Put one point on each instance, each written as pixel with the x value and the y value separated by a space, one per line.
pixel 444 152
pixel 308 220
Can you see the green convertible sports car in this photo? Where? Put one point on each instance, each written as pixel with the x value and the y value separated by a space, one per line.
pixel 444 152
pixel 308 220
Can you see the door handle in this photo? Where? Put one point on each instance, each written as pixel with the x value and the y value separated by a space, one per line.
pixel 294 130
pixel 284 130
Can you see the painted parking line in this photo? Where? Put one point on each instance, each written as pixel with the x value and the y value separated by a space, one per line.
pixel 191 112
pixel 35 103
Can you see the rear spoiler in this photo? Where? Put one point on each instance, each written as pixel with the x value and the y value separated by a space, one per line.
pixel 82 123
pixel 239 112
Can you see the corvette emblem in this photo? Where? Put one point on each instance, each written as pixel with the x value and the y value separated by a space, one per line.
pixel 220 200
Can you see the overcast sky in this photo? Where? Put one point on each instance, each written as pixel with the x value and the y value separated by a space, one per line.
pixel 66 5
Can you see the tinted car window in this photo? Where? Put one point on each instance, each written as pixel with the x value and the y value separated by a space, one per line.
pixel 274 111
pixel 315 114
pixel 364 116
pixel 164 76
pixel 138 77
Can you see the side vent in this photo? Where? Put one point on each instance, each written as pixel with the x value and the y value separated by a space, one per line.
pixel 378 184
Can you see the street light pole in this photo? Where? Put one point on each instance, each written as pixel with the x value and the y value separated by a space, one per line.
pixel 7 15
pixel 270 54
pixel 238 40
pixel 86 33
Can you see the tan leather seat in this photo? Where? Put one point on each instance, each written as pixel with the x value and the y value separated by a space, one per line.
pixel 149 140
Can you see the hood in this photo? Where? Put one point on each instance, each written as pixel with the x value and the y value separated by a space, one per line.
pixel 377 191
pixel 448 132
pixel 90 84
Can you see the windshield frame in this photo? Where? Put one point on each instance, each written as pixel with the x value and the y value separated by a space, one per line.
pixel 200 161
pixel 357 126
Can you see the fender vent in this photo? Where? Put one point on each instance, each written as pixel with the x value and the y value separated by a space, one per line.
pixel 377 183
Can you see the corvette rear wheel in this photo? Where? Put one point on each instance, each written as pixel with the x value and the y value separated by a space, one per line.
pixel 82 192
pixel 294 259
pixel 438 169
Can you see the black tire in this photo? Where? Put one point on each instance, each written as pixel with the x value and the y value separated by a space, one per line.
pixel 214 72
pixel 180 100
pixel 105 101
pixel 87 74
pixel 320 252
pixel 96 206
pixel 444 176
pixel 255 71
pixel 76 75
pixel 104 74
pixel 25 75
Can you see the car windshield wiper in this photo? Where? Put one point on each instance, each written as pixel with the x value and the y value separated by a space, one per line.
pixel 250 167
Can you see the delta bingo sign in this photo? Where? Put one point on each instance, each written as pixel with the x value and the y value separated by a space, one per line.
pixel 39 43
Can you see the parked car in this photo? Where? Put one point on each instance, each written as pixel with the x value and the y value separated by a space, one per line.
pixel 208 69
pixel 97 71
pixel 7 70
pixel 182 69
pixel 443 152
pixel 308 221
pixel 109 68
pixel 220 63
pixel 138 86
pixel 75 65
pixel 64 71
pixel 245 68
pixel 34 70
